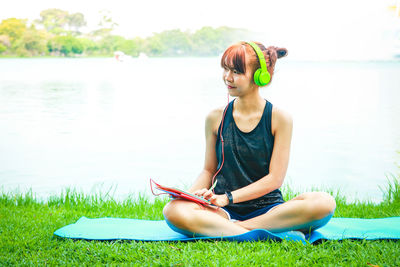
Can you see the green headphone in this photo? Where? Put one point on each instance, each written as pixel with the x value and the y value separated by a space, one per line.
pixel 261 75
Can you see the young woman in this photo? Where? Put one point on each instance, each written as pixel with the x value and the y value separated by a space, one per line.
pixel 256 138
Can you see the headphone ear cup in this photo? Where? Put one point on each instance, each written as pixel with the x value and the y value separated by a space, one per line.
pixel 264 78
pixel 261 78
pixel 257 74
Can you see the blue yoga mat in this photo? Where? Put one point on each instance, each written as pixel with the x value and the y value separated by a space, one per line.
pixel 147 230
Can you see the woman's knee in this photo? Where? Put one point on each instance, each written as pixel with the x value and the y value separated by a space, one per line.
pixel 177 212
pixel 177 216
pixel 322 205
pixel 171 210
pixel 326 204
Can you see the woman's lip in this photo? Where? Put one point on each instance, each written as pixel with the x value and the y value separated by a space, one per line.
pixel 230 87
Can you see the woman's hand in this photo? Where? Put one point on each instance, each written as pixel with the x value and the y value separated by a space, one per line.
pixel 217 200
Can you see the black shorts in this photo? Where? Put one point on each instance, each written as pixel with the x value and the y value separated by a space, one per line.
pixel 235 216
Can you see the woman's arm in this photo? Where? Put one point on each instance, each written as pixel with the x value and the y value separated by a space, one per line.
pixel 210 163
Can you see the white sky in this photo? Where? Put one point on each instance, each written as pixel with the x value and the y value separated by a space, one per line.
pixel 314 29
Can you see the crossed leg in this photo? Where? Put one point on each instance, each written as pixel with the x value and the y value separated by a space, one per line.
pixel 308 210
pixel 295 214
pixel 194 218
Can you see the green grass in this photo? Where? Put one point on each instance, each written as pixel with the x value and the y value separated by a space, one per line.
pixel 27 225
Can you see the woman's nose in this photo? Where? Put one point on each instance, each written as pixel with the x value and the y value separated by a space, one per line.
pixel 228 76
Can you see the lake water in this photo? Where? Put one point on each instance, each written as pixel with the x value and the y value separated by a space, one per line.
pixel 98 125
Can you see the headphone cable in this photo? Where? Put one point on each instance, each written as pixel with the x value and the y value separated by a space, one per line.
pixel 222 144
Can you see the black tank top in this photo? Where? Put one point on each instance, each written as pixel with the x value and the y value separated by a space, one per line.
pixel 247 159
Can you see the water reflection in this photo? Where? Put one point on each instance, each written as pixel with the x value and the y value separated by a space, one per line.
pixel 82 122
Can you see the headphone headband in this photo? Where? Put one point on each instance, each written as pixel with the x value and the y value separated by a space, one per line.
pixel 260 55
pixel 261 76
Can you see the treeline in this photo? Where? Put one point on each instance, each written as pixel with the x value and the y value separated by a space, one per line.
pixel 59 33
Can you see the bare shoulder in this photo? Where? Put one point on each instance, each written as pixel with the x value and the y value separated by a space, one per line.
pixel 281 119
pixel 213 119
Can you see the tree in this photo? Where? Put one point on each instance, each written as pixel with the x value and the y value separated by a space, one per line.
pixel 89 46
pixel 130 47
pixel 65 45
pixel 76 21
pixel 3 48
pixel 5 43
pixel 107 24
pixel 60 31
pixel 35 41
pixel 59 21
pixel 154 46
pixel 212 42
pixel 176 43
pixel 13 28
pixel 106 20
pixel 54 20
pixel 32 43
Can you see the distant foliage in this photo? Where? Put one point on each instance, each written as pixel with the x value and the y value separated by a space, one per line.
pixel 59 33
pixel 65 45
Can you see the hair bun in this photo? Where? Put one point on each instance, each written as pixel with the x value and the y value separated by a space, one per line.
pixel 281 52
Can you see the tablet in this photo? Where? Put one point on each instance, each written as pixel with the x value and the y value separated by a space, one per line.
pixel 178 193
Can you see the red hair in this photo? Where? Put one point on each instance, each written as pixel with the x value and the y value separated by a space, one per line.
pixel 234 57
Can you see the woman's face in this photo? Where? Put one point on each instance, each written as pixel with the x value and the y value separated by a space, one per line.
pixel 238 84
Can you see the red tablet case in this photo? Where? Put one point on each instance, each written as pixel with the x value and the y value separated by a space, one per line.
pixel 177 193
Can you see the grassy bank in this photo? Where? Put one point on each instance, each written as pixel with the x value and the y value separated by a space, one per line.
pixel 27 226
